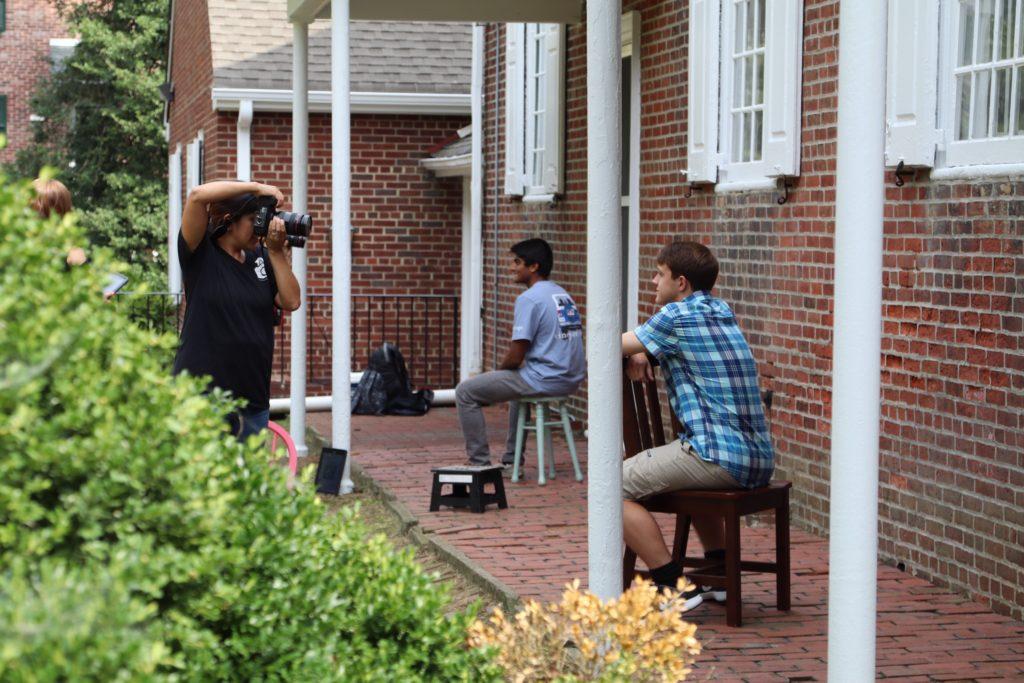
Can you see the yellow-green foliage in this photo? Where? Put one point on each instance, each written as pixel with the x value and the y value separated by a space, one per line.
pixel 139 541
pixel 640 636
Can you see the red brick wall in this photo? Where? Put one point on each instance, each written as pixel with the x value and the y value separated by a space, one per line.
pixel 952 447
pixel 192 76
pixel 406 244
pixel 24 53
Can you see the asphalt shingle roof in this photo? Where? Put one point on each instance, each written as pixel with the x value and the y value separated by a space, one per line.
pixel 251 42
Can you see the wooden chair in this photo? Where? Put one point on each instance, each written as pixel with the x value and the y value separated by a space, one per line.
pixel 642 429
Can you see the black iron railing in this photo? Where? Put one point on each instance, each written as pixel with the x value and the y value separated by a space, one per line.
pixel 425 327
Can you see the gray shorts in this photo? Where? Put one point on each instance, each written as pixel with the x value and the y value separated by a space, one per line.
pixel 672 467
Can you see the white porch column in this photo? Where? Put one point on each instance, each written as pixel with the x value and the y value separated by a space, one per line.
pixel 300 178
pixel 604 273
pixel 471 333
pixel 856 364
pixel 341 236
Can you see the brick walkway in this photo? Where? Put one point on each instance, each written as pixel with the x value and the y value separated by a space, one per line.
pixel 540 543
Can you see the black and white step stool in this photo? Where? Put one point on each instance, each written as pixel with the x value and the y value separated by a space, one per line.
pixel 467 487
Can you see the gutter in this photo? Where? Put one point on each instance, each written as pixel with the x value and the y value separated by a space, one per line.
pixel 230 99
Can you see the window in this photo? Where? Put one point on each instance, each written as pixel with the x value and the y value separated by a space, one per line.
pixel 745 64
pixel 986 112
pixel 3 114
pixel 955 91
pixel 534 105
pixel 745 73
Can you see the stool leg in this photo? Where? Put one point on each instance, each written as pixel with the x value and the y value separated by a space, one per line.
pixel 499 491
pixel 733 595
pixel 476 494
pixel 549 445
pixel 782 556
pixel 567 428
pixel 539 419
pixel 435 494
pixel 520 434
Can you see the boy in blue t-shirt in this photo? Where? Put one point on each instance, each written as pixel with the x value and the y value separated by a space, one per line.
pixel 545 357
pixel 713 388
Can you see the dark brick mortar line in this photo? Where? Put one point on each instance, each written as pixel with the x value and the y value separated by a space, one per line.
pixel 411 528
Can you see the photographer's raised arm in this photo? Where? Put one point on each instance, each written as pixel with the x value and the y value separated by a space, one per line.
pixel 195 216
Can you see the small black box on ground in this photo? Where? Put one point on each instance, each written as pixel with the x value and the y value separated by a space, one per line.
pixel 467 487
pixel 330 469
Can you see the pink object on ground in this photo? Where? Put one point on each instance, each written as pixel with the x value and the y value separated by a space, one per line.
pixel 282 433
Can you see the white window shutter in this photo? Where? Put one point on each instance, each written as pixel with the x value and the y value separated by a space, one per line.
pixel 554 114
pixel 912 70
pixel 702 143
pixel 783 67
pixel 515 106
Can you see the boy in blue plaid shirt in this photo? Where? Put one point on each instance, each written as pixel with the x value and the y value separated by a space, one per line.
pixel 713 388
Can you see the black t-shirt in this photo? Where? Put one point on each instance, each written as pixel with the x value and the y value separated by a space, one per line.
pixel 228 331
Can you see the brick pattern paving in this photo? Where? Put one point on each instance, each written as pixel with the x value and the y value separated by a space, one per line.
pixel 540 543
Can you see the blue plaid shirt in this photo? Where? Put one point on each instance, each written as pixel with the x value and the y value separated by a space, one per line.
pixel 712 380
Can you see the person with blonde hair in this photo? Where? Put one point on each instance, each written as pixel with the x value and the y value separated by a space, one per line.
pixel 53 197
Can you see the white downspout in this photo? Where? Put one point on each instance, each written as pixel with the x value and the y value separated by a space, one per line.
pixel 604 275
pixel 857 345
pixel 473 362
pixel 243 163
pixel 341 232
pixel 300 186
pixel 173 221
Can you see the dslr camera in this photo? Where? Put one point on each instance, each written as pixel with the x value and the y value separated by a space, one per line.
pixel 296 225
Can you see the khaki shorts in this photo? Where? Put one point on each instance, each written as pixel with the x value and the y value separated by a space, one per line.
pixel 672 467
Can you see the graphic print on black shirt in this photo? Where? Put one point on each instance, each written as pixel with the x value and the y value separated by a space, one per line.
pixel 228 332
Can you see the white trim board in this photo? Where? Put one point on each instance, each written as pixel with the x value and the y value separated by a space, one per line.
pixel 444 167
pixel 229 99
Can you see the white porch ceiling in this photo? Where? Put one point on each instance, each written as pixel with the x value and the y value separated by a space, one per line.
pixel 544 11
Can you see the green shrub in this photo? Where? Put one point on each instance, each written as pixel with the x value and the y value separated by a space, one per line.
pixel 80 624
pixel 228 574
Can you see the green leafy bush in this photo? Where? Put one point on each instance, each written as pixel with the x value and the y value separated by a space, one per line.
pixel 191 558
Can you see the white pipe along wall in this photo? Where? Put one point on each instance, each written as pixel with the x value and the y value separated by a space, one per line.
pixel 604 305
pixel 857 345
pixel 442 397
pixel 300 188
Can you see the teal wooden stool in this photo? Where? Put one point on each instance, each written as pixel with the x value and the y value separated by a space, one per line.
pixel 560 417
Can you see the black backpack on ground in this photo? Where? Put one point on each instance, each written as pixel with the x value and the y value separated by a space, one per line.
pixel 385 387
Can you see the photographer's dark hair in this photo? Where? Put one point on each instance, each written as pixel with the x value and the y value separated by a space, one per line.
pixel 693 261
pixel 537 251
pixel 236 206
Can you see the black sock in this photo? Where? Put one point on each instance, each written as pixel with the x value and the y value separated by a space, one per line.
pixel 666 575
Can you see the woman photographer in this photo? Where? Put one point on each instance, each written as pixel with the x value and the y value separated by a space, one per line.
pixel 232 284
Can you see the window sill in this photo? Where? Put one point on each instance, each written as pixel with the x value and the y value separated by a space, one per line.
pixel 978 171
pixel 538 199
pixel 746 185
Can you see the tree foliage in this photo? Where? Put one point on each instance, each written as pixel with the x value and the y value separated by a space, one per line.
pixel 102 126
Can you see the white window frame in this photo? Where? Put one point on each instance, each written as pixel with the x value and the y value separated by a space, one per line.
pixel 732 171
pixel 712 37
pixel 534 113
pixel 630 27
pixel 1007 152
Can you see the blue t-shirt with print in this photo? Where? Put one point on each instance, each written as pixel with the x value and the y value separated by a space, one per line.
pixel 547 317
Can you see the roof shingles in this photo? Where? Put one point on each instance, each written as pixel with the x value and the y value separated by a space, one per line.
pixel 251 42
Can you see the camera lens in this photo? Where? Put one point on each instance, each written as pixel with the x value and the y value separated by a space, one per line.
pixel 298 224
